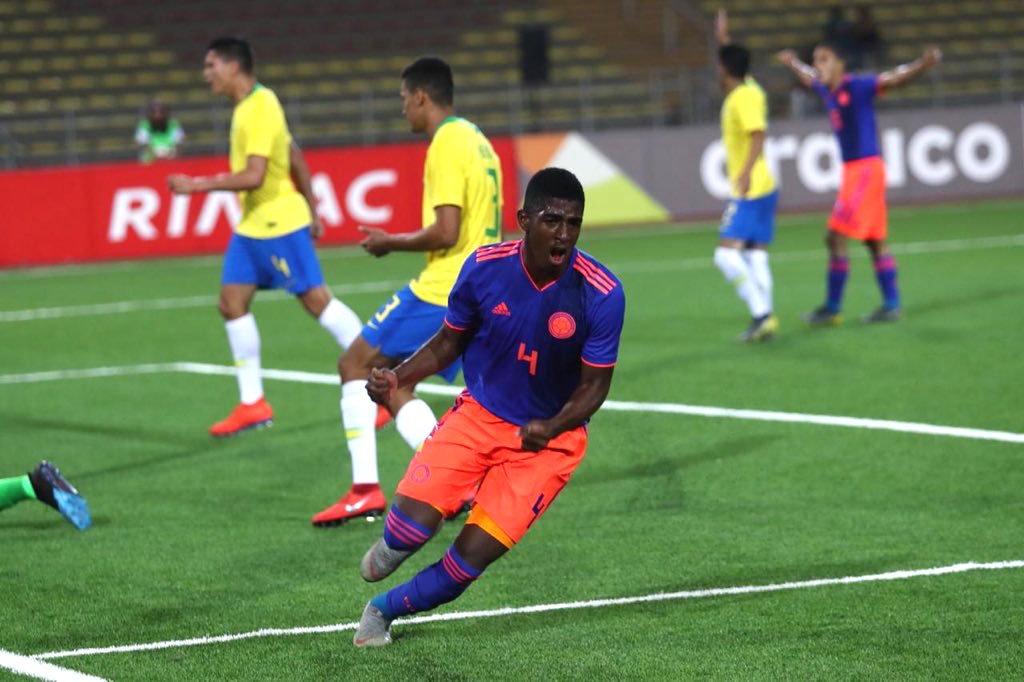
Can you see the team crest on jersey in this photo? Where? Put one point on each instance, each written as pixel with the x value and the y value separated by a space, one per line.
pixel 421 474
pixel 561 325
pixel 844 98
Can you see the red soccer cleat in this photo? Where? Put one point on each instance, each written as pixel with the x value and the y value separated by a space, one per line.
pixel 244 417
pixel 383 417
pixel 368 503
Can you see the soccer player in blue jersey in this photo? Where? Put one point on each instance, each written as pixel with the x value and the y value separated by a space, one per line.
pixel 537 323
pixel 748 225
pixel 860 211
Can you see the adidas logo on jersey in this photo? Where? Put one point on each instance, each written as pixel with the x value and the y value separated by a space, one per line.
pixel 501 309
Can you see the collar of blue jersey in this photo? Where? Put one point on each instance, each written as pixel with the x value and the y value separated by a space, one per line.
pixel 526 273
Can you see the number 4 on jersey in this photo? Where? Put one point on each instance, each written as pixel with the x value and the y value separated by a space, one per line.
pixel 531 358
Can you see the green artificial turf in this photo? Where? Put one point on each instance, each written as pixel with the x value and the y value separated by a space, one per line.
pixel 195 536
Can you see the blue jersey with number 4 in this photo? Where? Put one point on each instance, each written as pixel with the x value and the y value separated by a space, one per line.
pixel 524 359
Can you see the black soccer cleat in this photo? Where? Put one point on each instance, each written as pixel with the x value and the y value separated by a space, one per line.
pixel 761 329
pixel 882 314
pixel 52 488
pixel 823 317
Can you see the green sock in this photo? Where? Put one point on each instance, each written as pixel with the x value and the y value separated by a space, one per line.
pixel 14 490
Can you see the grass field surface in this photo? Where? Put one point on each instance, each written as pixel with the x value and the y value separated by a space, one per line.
pixel 195 537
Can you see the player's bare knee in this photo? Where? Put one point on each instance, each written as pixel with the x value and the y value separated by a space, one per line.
pixel 420 512
pixel 315 300
pixel 357 361
pixel 351 368
pixel 230 310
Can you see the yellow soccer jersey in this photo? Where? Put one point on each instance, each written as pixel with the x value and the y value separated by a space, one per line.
pixel 461 170
pixel 745 110
pixel 258 128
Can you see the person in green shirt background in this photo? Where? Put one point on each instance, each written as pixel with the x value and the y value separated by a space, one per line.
pixel 158 135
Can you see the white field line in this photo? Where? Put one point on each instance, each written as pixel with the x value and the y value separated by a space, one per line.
pixel 34 668
pixel 594 234
pixel 904 249
pixel 328 253
pixel 633 267
pixel 610 405
pixel 542 608
pixel 206 300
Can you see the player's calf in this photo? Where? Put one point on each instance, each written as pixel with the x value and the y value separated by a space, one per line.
pixel 437 584
pixel 403 536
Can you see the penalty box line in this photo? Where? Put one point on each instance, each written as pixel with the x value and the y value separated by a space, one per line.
pixel 544 608
pixel 609 405
pixel 30 666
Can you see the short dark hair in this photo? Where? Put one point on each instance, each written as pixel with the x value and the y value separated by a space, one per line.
pixel 233 49
pixel 838 50
pixel 433 76
pixel 551 183
pixel 735 59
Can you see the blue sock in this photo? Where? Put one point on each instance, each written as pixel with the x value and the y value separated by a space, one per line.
pixel 838 269
pixel 401 532
pixel 436 584
pixel 885 272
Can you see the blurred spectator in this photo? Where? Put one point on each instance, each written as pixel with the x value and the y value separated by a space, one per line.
pixel 158 135
pixel 838 32
pixel 867 41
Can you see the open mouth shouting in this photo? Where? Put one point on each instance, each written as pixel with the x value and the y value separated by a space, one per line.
pixel 558 254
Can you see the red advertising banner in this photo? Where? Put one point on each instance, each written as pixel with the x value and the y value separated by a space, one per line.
pixel 124 210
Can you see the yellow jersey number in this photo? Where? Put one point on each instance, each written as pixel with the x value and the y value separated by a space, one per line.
pixel 494 230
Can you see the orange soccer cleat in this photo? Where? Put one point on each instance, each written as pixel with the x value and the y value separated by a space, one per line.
pixel 369 501
pixel 244 417
pixel 383 417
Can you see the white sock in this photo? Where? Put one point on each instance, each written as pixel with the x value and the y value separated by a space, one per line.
pixel 359 415
pixel 757 259
pixel 415 420
pixel 736 270
pixel 341 322
pixel 244 339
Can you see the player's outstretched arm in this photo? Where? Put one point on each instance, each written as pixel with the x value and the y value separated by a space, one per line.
pixel 443 234
pixel 250 177
pixel 805 73
pixel 904 73
pixel 581 406
pixel 722 27
pixel 303 182
pixel 436 354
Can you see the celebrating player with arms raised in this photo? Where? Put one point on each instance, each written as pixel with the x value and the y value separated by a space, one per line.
pixel 537 323
pixel 859 211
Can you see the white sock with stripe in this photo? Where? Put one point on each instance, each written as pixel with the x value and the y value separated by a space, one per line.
pixel 359 415
pixel 244 339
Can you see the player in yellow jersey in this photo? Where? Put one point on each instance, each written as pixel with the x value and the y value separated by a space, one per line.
pixel 273 245
pixel 748 224
pixel 461 212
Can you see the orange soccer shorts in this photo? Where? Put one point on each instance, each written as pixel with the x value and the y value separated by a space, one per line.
pixel 471 447
pixel 859 211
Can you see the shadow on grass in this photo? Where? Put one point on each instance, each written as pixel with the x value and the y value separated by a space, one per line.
pixel 666 465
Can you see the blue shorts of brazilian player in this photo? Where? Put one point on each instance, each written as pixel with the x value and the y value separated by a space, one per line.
pixel 750 220
pixel 286 262
pixel 405 323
